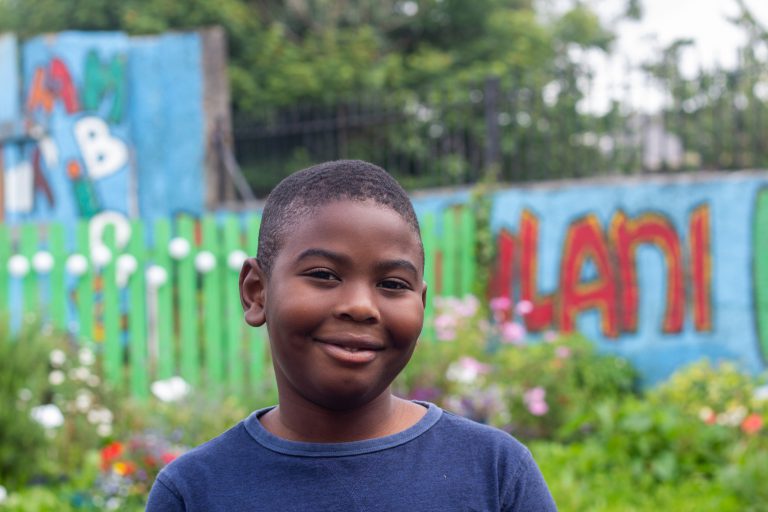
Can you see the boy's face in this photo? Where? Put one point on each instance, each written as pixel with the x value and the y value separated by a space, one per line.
pixel 344 304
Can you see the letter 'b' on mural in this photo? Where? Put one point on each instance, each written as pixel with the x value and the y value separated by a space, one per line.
pixel 103 153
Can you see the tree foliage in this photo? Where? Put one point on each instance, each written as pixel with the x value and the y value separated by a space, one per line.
pixel 288 51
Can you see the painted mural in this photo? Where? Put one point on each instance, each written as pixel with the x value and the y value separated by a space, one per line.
pixel 661 271
pixel 100 133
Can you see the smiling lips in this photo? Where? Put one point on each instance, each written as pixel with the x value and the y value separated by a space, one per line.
pixel 351 351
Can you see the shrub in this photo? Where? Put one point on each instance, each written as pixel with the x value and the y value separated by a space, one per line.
pixel 23 384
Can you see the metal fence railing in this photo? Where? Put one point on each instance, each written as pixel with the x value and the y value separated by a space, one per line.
pixel 717 120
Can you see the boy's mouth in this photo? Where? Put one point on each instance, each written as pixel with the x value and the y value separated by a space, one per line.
pixel 351 351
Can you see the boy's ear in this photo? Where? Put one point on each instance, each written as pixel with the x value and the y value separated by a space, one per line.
pixel 424 294
pixel 253 292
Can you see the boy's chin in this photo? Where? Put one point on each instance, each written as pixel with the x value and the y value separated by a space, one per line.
pixel 347 399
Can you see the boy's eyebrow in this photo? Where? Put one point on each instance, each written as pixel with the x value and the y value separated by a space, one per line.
pixel 392 264
pixel 322 253
pixel 341 259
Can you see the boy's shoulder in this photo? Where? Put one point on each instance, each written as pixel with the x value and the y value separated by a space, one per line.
pixel 210 457
pixel 481 435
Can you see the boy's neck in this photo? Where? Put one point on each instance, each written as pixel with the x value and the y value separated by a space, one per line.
pixel 386 415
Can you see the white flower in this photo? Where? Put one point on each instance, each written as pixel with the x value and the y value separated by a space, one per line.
pixel 83 401
pixel 466 370
pixel 56 377
pixel 25 395
pixel 3 494
pixel 49 416
pixel 101 416
pixel 80 373
pixel 93 380
pixel 104 429
pixel 57 357
pixel 86 357
pixel 170 390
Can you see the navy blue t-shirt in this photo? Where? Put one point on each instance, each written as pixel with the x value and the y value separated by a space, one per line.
pixel 442 463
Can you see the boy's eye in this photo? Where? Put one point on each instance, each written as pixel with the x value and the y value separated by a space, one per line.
pixel 395 284
pixel 323 275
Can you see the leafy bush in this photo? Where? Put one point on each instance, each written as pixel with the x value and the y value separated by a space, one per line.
pixel 484 369
pixel 23 383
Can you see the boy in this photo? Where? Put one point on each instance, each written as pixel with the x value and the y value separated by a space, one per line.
pixel 339 283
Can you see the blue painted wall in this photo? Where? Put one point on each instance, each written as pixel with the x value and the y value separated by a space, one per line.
pixel 703 234
pixel 9 92
pixel 115 127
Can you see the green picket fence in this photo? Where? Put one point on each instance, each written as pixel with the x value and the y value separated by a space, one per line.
pixel 153 311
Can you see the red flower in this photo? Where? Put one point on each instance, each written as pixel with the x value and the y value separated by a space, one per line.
pixel 109 453
pixel 168 457
pixel 752 424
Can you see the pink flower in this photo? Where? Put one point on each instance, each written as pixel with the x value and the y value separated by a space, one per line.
pixel 536 394
pixel 563 352
pixel 752 424
pixel 512 332
pixel 500 304
pixel 467 307
pixel 473 365
pixel 445 334
pixel 445 327
pixel 550 336
pixel 466 370
pixel 538 408
pixel 524 307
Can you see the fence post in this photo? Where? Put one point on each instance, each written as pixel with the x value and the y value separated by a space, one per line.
pixel 233 311
pixel 428 237
pixel 187 304
pixel 448 246
pixel 213 333
pixel 492 134
pixel 137 315
pixel 468 260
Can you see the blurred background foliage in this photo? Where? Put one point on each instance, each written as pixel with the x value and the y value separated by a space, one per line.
pixel 695 442
pixel 439 92
pixel 283 52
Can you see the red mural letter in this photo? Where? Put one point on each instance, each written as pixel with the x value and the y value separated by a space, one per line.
pixel 39 95
pixel 501 280
pixel 63 86
pixel 701 268
pixel 585 241
pixel 46 88
pixel 542 315
pixel 648 228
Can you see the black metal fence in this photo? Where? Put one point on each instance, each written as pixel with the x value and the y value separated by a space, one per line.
pixel 716 121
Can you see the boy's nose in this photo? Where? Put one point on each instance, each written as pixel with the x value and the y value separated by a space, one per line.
pixel 357 303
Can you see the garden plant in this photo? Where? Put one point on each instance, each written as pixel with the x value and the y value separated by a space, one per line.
pixel 697 441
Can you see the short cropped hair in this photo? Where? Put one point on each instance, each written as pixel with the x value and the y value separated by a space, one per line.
pixel 303 192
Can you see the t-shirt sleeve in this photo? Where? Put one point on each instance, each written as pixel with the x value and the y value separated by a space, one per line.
pixel 163 497
pixel 527 491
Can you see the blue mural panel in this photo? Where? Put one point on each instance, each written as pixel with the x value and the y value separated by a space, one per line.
pixel 659 271
pixel 114 125
pixel 167 84
pixel 9 92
